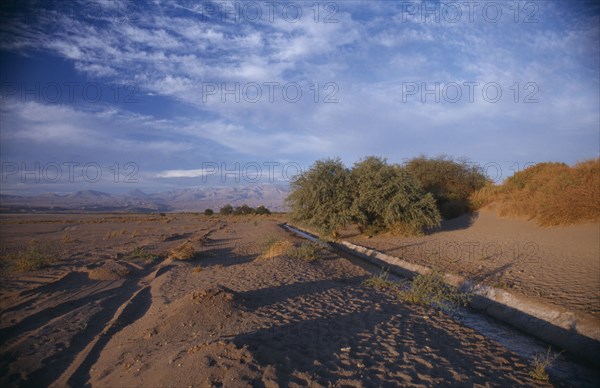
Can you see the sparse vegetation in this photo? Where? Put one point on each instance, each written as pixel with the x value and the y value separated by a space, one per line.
pixel 208 212
pixel 549 193
pixel 431 290
pixel 541 362
pixel 139 254
pixel 380 282
pixel 450 181
pixel 307 250
pixel 36 255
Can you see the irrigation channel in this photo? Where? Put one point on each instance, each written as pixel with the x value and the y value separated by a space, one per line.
pixel 576 369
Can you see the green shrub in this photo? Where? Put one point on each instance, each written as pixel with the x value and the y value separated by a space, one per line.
pixel 451 181
pixel 431 290
pixel 388 198
pixel 373 194
pixel 321 197
pixel 208 212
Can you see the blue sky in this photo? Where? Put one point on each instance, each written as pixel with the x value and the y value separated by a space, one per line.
pixel 193 93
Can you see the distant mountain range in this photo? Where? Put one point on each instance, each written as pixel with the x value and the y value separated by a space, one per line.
pixel 189 199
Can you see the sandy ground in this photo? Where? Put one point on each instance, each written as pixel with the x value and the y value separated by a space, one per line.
pixel 558 265
pixel 228 318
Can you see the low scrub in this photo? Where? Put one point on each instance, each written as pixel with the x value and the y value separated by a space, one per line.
pixel 431 290
pixel 307 251
pixel 36 255
pixel 549 193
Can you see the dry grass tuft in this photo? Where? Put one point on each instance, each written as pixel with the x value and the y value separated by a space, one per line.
pixel 185 251
pixel 541 362
pixel 273 248
pixel 549 193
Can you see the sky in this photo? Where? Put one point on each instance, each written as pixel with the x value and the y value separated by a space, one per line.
pixel 115 95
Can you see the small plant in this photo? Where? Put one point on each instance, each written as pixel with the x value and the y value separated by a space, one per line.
pixel 308 251
pixel 379 282
pixel 273 247
pixel 139 253
pixel 540 364
pixel 36 255
pixel 430 290
pixel 67 239
pixel 110 235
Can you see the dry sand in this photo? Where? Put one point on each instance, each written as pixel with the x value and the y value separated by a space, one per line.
pixel 227 318
pixel 558 265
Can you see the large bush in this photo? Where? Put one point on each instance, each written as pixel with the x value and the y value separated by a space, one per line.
pixel 387 197
pixel 321 197
pixel 451 181
pixel 373 194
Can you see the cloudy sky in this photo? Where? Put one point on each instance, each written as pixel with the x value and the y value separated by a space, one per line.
pixel 114 95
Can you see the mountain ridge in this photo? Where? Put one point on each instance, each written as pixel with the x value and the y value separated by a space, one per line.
pixel 194 199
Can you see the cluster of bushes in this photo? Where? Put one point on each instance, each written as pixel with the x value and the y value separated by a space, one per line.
pixel 382 197
pixel 549 193
pixel 244 209
pixel 373 194
pixel 412 198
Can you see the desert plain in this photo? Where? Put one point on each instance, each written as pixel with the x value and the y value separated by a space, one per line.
pixel 119 306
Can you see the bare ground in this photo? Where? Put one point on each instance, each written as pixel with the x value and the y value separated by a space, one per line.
pixel 557 265
pixel 228 318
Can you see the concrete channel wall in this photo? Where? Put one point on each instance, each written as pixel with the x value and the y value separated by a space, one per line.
pixel 577 332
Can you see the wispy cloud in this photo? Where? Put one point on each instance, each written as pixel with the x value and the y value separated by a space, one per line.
pixel 367 52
